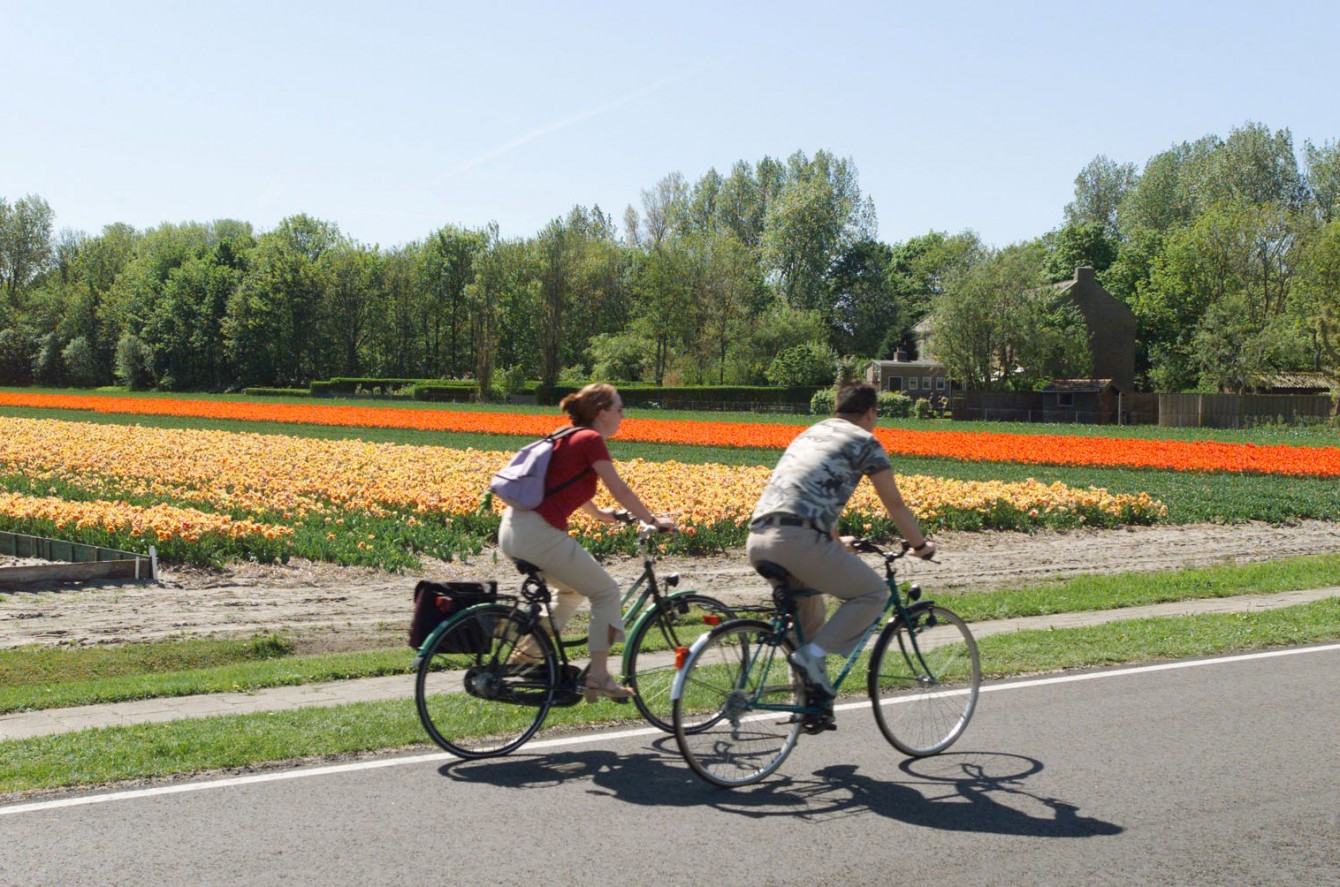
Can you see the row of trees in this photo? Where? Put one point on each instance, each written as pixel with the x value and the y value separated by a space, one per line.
pixel 1227 250
pixel 741 279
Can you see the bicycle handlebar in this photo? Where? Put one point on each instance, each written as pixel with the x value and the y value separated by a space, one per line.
pixel 645 529
pixel 868 547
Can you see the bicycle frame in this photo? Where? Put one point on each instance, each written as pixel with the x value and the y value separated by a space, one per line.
pixel 783 620
pixel 646 588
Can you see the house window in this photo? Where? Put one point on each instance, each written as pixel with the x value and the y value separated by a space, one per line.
pixel 895 383
pixel 1065 399
pixel 940 384
pixel 926 383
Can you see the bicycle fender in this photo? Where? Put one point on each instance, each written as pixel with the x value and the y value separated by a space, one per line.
pixel 647 615
pixel 915 608
pixel 678 687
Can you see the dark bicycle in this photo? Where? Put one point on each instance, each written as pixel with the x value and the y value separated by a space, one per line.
pixel 487 677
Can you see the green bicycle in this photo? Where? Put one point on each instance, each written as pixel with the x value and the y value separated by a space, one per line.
pixel 740 706
pixel 478 696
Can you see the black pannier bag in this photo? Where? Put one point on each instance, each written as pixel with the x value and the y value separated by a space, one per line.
pixel 436 602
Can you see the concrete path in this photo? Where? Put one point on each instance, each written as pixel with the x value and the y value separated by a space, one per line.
pixel 25 725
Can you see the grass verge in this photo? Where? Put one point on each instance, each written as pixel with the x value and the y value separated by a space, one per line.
pixel 35 678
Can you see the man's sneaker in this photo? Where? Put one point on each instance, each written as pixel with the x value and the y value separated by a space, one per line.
pixel 814 724
pixel 814 668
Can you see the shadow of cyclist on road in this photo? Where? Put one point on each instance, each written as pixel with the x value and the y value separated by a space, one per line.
pixel 969 791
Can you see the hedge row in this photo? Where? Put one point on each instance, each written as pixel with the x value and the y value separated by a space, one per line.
pixel 743 397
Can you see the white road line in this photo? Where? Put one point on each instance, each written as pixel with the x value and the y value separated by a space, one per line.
pixel 280 776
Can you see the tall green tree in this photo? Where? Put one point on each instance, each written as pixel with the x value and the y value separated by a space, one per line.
pixel 184 338
pixel 447 267
pixel 865 308
pixel 818 215
pixel 26 249
pixel 727 295
pixel 999 324
pixel 277 329
pixel 663 282
pixel 356 304
pixel 1317 309
pixel 919 270
pixel 1234 266
pixel 1099 189
pixel 505 283
pixel 1323 178
pixel 1077 244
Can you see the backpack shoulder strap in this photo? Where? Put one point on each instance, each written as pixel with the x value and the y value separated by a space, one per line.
pixel 556 436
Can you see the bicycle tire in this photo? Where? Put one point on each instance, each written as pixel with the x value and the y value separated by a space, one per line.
pixel 740 667
pixel 923 698
pixel 677 621
pixel 470 700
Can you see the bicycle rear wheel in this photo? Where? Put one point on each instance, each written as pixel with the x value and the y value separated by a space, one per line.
pixel 925 695
pixel 737 715
pixel 649 666
pixel 471 700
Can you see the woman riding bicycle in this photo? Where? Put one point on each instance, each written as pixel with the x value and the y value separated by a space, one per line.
pixel 541 536
pixel 795 525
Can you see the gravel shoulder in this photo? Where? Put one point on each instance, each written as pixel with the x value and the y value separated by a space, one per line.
pixel 331 608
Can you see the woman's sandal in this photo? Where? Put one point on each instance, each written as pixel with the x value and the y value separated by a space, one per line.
pixel 611 690
pixel 521 662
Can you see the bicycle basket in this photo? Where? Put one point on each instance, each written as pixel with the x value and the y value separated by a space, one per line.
pixel 436 602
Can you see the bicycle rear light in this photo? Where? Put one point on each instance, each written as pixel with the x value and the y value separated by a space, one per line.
pixel 711 619
pixel 681 653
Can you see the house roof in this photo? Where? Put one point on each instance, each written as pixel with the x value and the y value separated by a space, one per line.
pixel 914 364
pixel 1078 386
pixel 1292 380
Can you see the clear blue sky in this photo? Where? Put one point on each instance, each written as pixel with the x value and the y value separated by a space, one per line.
pixel 392 118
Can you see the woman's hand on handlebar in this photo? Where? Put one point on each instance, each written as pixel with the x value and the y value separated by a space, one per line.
pixel 662 524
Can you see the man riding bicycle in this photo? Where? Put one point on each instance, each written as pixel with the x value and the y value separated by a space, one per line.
pixel 795 526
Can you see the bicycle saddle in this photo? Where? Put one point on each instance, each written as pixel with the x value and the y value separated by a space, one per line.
pixel 528 568
pixel 773 572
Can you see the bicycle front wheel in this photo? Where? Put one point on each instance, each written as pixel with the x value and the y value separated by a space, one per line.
pixel 738 713
pixel 924 680
pixel 649 667
pixel 475 698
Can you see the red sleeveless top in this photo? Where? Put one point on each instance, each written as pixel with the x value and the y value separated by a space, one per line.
pixel 573 455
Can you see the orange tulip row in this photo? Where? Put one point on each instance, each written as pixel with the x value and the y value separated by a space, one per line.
pixel 969 446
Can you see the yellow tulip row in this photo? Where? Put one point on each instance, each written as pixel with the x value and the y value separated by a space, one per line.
pixel 285 479
pixel 155 522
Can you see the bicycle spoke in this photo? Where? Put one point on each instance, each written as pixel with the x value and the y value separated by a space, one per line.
pixel 735 718
pixel 924 680
pixel 650 664
pixel 475 695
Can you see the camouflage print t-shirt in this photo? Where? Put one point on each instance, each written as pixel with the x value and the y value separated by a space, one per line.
pixel 820 470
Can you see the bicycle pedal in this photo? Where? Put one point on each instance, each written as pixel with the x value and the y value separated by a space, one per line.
pixel 814 726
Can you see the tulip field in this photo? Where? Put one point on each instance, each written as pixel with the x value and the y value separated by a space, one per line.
pixel 203 495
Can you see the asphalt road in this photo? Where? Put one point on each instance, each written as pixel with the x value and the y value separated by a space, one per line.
pixel 1221 771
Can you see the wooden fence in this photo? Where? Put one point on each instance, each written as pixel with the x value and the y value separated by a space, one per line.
pixel 1169 410
pixel 1241 410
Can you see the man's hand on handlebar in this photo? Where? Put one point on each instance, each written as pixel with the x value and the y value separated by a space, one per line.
pixel 925 551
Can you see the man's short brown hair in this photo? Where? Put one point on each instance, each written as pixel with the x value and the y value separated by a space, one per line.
pixel 856 397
